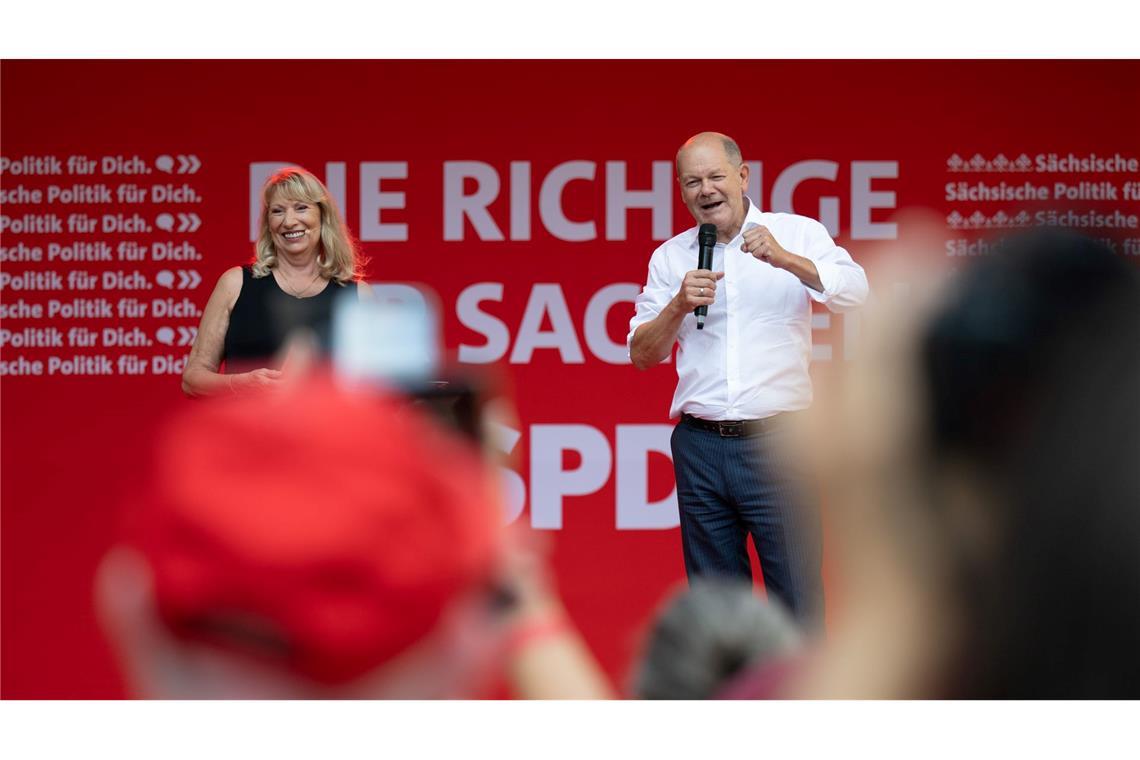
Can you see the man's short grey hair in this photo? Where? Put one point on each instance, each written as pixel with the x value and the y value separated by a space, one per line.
pixel 731 149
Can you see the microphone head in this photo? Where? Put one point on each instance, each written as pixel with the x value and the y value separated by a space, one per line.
pixel 707 234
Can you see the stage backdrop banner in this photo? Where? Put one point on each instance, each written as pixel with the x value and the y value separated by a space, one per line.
pixel 527 198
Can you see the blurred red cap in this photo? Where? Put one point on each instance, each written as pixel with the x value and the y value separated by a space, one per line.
pixel 323 529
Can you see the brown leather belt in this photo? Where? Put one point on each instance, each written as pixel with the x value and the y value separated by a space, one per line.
pixel 734 428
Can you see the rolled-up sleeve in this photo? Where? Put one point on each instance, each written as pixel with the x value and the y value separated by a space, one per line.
pixel 844 282
pixel 658 291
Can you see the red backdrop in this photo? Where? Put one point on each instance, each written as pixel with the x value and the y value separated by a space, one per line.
pixel 848 142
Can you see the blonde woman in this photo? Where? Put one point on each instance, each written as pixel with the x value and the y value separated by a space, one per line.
pixel 305 258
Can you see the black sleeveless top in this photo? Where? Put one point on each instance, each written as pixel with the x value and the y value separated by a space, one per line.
pixel 265 315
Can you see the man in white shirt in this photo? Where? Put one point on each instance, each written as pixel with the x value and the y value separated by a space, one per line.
pixel 740 376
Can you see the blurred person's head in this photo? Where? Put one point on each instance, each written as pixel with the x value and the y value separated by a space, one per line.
pixel 707 634
pixel 1031 382
pixel 295 204
pixel 983 473
pixel 313 543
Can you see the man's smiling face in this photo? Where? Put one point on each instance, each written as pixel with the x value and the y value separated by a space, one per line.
pixel 711 186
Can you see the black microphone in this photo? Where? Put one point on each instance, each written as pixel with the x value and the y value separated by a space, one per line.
pixel 707 238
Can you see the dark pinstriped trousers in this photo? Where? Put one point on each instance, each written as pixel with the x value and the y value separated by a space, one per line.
pixel 728 488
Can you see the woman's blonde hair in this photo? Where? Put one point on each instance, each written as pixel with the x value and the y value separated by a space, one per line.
pixel 338 258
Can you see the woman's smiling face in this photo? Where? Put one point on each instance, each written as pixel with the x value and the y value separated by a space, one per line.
pixel 295 225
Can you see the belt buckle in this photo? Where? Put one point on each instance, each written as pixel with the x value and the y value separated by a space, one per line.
pixel 730 430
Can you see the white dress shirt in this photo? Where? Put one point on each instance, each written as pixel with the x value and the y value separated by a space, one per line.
pixel 751 359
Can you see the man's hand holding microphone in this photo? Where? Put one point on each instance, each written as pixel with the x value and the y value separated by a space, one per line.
pixel 697 289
